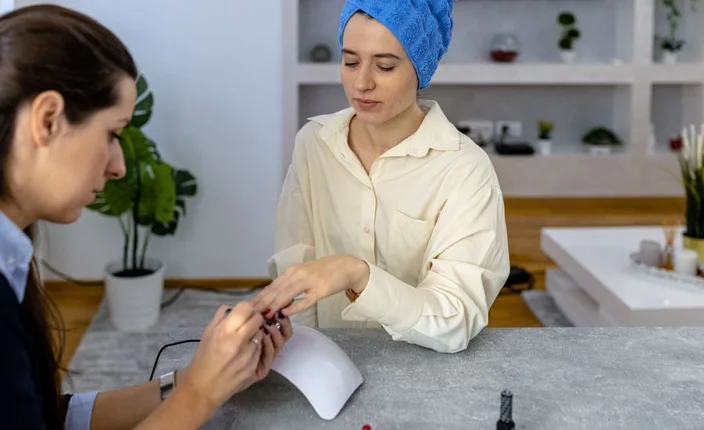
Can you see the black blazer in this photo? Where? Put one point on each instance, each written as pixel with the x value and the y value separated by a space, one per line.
pixel 21 378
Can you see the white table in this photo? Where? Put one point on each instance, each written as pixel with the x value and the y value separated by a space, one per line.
pixel 594 284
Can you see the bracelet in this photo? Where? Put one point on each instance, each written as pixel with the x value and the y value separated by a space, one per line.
pixel 167 383
pixel 354 294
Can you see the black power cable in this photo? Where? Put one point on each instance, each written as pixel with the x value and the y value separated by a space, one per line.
pixel 169 345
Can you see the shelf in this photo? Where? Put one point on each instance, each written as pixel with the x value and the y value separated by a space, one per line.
pixel 676 73
pixel 488 73
pixel 617 81
pixel 529 74
pixel 661 149
pixel 562 151
pixel 673 107
pixel 573 110
pixel 587 176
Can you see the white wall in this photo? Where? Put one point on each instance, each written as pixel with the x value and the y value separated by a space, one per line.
pixel 217 82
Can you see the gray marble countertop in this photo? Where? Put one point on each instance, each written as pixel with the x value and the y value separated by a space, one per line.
pixel 561 378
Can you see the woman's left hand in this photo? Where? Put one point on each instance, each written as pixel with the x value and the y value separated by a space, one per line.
pixel 278 331
pixel 317 279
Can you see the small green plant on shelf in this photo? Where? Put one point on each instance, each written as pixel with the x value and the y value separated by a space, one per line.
pixel 600 140
pixel 570 34
pixel 601 136
pixel 545 129
pixel 671 44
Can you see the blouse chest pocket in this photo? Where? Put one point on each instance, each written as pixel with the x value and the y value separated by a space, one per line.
pixel 408 242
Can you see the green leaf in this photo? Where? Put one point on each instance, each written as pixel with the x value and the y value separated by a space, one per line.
pixel 145 104
pixel 115 199
pixel 185 183
pixel 141 85
pixel 168 228
pixel 137 147
pixel 140 118
pixel 158 194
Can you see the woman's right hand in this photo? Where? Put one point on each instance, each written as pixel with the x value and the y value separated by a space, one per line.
pixel 228 355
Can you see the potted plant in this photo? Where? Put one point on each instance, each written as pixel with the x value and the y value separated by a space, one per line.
pixel 545 129
pixel 570 33
pixel 148 201
pixel 600 140
pixel 691 162
pixel 672 45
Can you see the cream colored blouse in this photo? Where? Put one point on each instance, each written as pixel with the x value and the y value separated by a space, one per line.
pixel 428 219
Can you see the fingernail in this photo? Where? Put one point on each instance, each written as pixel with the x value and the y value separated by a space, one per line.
pixel 227 312
pixel 268 322
pixel 267 310
pixel 281 315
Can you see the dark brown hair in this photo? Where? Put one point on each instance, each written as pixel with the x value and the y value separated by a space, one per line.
pixel 47 47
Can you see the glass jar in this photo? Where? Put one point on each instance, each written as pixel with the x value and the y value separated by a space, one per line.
pixel 504 47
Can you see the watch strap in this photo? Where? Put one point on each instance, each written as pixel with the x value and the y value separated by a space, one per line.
pixel 167 383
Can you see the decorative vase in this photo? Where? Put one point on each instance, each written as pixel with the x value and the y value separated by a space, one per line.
pixel 320 54
pixel 669 57
pixel 695 244
pixel 504 47
pixel 568 56
pixel 544 146
pixel 134 303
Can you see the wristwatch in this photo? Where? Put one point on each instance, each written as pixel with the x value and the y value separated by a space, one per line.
pixel 167 383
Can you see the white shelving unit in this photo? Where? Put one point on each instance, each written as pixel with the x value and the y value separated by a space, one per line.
pixel 618 81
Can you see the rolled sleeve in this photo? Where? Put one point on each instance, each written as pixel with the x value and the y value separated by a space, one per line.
pixel 386 300
pixel 80 411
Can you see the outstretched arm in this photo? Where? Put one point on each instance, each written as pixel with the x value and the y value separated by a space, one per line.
pixel 126 408
pixel 467 267
pixel 294 234
pixel 235 351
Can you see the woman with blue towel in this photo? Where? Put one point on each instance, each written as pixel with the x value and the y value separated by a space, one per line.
pixel 389 217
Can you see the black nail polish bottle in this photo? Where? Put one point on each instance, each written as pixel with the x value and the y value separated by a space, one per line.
pixel 505 421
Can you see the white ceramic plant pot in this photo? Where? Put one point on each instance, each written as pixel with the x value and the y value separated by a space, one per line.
pixel 568 56
pixel 134 303
pixel 669 57
pixel 599 150
pixel 544 146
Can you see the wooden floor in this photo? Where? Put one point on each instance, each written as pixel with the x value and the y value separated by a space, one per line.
pixel 524 217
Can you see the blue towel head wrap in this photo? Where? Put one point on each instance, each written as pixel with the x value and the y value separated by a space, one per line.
pixel 423 27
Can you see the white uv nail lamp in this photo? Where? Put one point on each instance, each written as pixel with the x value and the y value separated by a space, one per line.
pixel 320 369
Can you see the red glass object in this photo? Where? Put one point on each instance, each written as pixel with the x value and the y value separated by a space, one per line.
pixel 504 47
pixel 676 143
pixel 504 56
